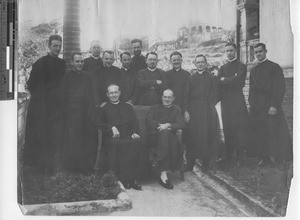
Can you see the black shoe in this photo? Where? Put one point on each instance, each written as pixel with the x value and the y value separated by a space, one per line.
pixel 126 185
pixel 166 185
pixel 188 167
pixel 136 186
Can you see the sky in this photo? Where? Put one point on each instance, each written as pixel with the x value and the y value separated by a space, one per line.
pixel 105 20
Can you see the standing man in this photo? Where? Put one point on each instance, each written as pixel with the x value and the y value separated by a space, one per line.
pixel 165 124
pixel 200 114
pixel 43 127
pixel 267 88
pixel 128 82
pixel 94 60
pixel 177 78
pixel 104 76
pixel 78 107
pixel 151 82
pixel 138 61
pixel 122 144
pixel 232 77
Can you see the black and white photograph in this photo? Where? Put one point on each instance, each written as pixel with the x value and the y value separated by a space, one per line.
pixel 166 108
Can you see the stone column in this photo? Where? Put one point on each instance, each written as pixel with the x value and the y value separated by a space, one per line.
pixel 71 29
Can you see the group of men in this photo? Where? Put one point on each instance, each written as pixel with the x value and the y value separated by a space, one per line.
pixel 66 109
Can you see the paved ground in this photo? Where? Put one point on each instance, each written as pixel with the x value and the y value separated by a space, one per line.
pixel 196 196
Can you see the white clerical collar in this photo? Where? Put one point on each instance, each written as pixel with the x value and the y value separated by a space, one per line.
pixel 76 71
pixel 177 69
pixel 200 72
pixel 230 61
pixel 152 70
pixel 125 68
pixel 96 58
pixel 115 103
pixel 262 60
pixel 168 106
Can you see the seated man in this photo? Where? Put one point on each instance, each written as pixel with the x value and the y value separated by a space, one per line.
pixel 164 123
pixel 121 142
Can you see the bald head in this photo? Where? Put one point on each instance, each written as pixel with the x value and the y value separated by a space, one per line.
pixel 168 98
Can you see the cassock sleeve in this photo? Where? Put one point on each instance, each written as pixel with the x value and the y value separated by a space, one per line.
pixel 63 90
pixel 36 76
pixel 179 124
pixel 213 95
pixel 186 94
pixel 277 86
pixel 151 122
pixel 101 120
pixel 135 122
pixel 96 86
pixel 161 87
pixel 89 99
pixel 237 80
pixel 144 82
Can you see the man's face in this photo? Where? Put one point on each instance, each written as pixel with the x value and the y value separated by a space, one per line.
pixel 230 52
pixel 136 48
pixel 176 61
pixel 125 60
pixel 77 63
pixel 113 93
pixel 108 60
pixel 96 49
pixel 55 48
pixel 260 53
pixel 168 98
pixel 200 63
pixel 151 61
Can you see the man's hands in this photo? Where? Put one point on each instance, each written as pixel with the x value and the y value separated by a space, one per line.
pixel 115 132
pixel 164 126
pixel 158 82
pixel 272 110
pixel 187 117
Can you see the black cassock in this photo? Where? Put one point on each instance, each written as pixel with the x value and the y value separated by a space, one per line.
pixel 128 85
pixel 78 153
pixel 177 81
pixel 123 153
pixel 149 92
pixel 201 98
pixel 101 78
pixel 138 63
pixel 43 124
pixel 90 64
pixel 270 132
pixel 234 109
pixel 165 150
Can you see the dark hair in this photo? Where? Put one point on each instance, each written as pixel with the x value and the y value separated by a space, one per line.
pixel 54 37
pixel 112 85
pixel 175 53
pixel 108 51
pixel 228 44
pixel 75 53
pixel 260 45
pixel 124 53
pixel 137 41
pixel 201 55
pixel 153 53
